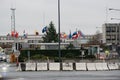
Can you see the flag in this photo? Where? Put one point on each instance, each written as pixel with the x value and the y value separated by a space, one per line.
pixel 24 34
pixel 8 34
pixel 63 35
pixel 80 34
pixel 14 34
pixel 70 36
pixel 44 29
pixel 75 35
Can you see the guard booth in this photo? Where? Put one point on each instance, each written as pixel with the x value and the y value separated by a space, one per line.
pixel 94 50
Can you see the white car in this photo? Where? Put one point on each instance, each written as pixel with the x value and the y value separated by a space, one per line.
pixel 2 57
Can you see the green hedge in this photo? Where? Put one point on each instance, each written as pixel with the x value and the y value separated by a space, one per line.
pixel 52 54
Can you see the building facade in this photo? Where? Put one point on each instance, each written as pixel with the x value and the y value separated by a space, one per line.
pixel 35 41
pixel 111 33
pixel 32 41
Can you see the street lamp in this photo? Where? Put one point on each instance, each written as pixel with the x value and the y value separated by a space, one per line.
pixel 114 9
pixel 59 51
pixel 116 27
pixel 115 19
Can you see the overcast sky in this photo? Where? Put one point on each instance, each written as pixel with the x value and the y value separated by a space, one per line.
pixel 31 15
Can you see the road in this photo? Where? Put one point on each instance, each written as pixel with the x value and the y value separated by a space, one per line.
pixel 63 75
pixel 12 74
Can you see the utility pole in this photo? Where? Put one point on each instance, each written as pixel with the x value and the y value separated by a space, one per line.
pixel 59 51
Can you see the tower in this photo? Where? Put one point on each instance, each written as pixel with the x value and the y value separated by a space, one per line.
pixel 13 28
pixel 13 19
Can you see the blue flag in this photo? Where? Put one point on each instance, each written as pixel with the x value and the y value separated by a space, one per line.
pixel 75 33
pixel 24 34
pixel 44 29
pixel 70 36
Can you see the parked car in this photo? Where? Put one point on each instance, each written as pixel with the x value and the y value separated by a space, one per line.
pixel 2 57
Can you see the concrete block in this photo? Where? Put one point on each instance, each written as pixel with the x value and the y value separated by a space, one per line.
pixel 30 66
pixel 41 66
pixel 105 67
pixel 81 66
pixel 113 66
pixel 91 66
pixel 99 66
pixel 54 66
pixel 67 66
pixel 19 67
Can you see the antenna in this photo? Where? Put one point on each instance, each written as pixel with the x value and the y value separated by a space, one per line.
pixel 106 15
pixel 13 19
pixel 12 15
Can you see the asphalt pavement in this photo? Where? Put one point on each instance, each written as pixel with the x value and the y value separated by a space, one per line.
pixel 12 74
pixel 62 75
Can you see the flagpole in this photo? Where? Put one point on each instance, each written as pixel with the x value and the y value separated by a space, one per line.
pixel 77 38
pixel 59 51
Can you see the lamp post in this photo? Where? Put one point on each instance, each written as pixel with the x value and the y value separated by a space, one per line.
pixel 114 9
pixel 116 27
pixel 115 19
pixel 59 51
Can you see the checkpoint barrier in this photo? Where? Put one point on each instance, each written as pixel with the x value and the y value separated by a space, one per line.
pixel 19 68
pixel 54 66
pixel 67 66
pixel 105 67
pixel 119 65
pixel 91 66
pixel 30 66
pixel 42 66
pixel 99 66
pixel 81 66
pixel 113 66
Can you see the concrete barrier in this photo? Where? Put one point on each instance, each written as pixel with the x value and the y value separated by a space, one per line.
pixel 67 66
pixel 119 65
pixel 105 67
pixel 99 66
pixel 42 66
pixel 113 66
pixel 91 66
pixel 54 66
pixel 81 66
pixel 19 67
pixel 116 66
pixel 30 66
